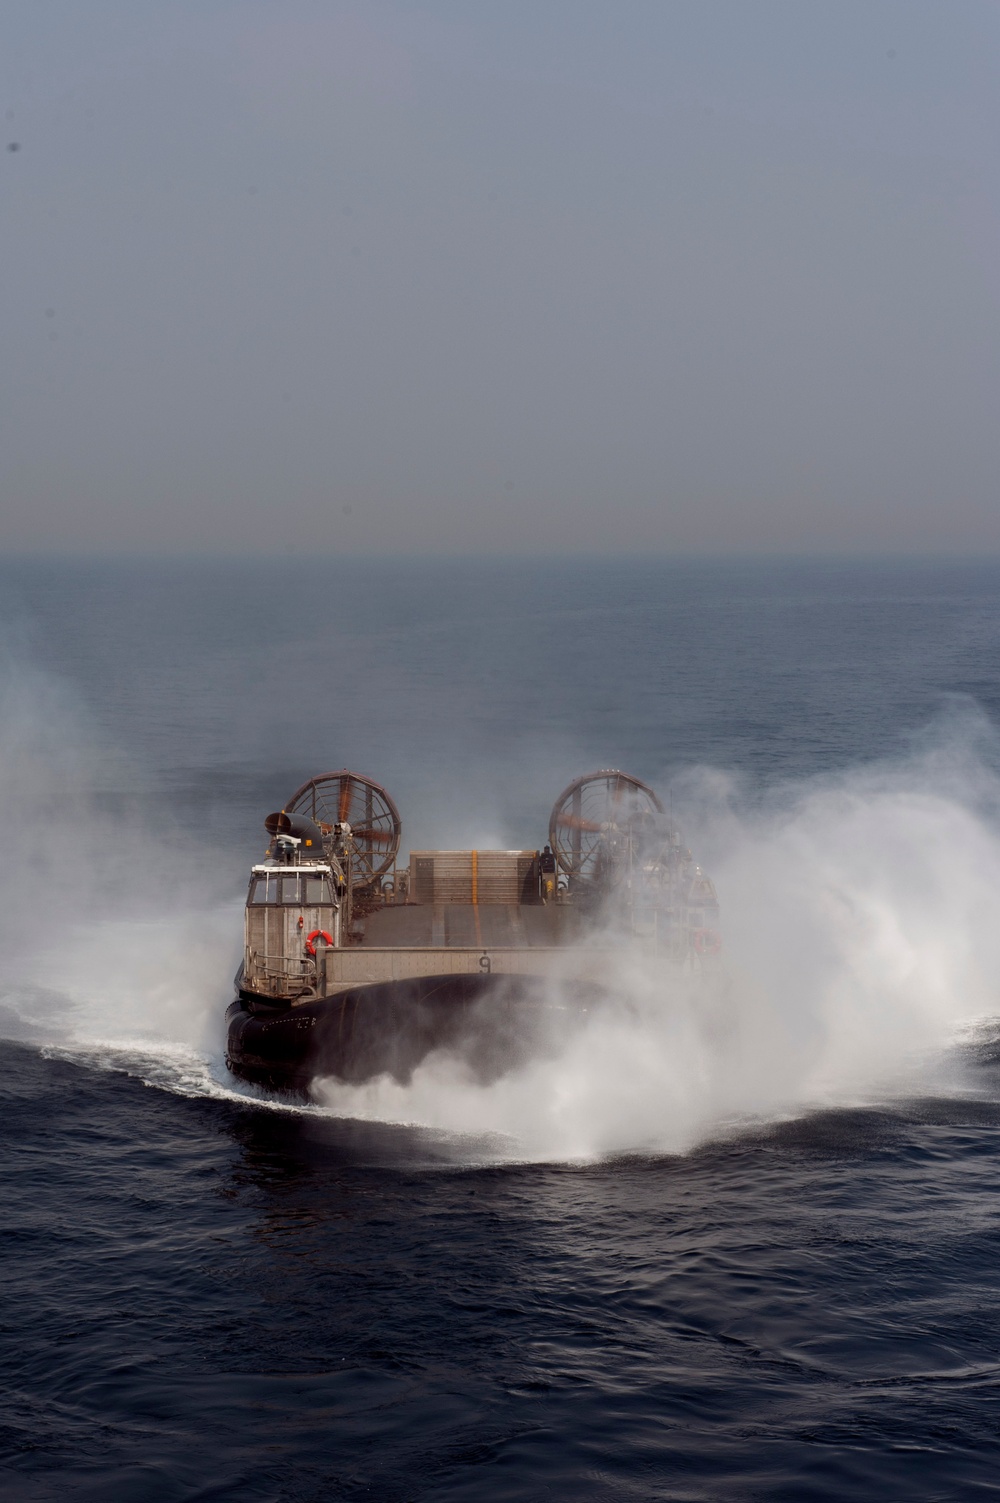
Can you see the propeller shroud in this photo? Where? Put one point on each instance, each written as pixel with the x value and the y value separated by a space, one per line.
pixel 345 797
pixel 593 808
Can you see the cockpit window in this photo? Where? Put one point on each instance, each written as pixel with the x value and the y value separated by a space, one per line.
pixel 290 890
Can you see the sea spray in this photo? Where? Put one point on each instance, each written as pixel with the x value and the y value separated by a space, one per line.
pixel 862 921
pixel 112 928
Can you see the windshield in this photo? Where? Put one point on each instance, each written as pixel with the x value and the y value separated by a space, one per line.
pixel 291 889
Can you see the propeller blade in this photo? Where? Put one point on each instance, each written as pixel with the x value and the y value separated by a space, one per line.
pixel 345 799
pixel 576 822
pixel 374 837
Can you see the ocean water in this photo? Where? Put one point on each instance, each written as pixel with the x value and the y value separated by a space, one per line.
pixel 750 1252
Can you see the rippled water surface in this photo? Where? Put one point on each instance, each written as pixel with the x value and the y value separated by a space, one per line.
pixel 686 1260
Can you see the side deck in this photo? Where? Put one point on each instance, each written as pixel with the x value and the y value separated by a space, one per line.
pixel 363 965
pixel 403 942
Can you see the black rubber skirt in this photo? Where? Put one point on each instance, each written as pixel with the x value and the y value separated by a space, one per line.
pixel 493 1023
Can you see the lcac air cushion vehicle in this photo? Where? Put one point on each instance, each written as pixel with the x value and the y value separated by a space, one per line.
pixel 355 966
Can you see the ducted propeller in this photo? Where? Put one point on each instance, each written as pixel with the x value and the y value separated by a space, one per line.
pixel 592 809
pixel 345 797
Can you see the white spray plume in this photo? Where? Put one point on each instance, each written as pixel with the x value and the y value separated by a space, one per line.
pixel 110 930
pixel 862 923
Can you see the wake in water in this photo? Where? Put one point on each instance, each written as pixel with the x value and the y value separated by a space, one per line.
pixel 861 914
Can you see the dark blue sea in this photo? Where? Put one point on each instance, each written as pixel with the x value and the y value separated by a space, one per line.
pixel 753 1255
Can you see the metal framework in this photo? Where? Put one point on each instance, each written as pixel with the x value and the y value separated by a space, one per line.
pixel 350 798
pixel 590 815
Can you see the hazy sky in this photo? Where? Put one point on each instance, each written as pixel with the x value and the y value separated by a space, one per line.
pixel 515 275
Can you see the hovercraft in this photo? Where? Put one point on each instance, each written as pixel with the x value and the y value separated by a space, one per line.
pixel 356 966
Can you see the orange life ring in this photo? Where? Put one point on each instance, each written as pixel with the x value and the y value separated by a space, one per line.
pixel 707 941
pixel 314 936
